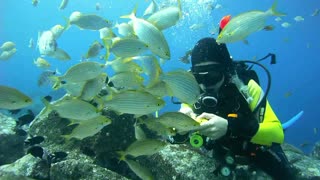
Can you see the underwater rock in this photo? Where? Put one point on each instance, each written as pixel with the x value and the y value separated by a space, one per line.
pixel 79 169
pixel 184 162
pixel 11 143
pixel 95 157
pixel 180 162
pixel 27 166
pixel 316 151
pixel 307 167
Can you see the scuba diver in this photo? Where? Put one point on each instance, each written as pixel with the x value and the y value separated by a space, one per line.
pixel 240 123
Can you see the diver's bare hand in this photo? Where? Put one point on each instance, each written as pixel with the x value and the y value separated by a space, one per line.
pixel 215 127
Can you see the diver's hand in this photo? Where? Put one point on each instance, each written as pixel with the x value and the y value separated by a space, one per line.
pixel 215 127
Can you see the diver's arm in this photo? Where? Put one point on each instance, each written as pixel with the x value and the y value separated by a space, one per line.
pixel 269 130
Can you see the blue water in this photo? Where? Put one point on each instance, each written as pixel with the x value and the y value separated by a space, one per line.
pixel 296 47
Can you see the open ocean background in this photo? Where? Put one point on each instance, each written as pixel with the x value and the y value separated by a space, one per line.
pixel 295 85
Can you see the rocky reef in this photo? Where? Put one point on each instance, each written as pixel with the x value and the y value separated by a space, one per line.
pixel 96 158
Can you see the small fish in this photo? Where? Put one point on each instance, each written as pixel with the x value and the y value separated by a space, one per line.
pixel 139 133
pixel 125 29
pixel 158 128
pixel 21 132
pixel 285 24
pixel 31 43
pixel 26 119
pixel 7 46
pixel 63 4
pixel 278 19
pixel 305 144
pixel 142 147
pixel 15 111
pixel 13 99
pixel 94 50
pixel 57 31
pixel 46 43
pixel 315 131
pixel 298 18
pixel 134 102
pixel 218 6
pixel 98 6
pixel 166 17
pixel 127 81
pixel 159 89
pixel 152 8
pixel 106 33
pixel 74 89
pixel 195 27
pixel 150 35
pixel 44 154
pixel 92 87
pixel 41 62
pixel 78 73
pixel 60 54
pixel 128 47
pixel 186 58
pixel 6 55
pixel 35 3
pixel 151 68
pixel 34 140
pixel 182 85
pixel 179 121
pixel 73 109
pixel 44 78
pixel 288 94
pixel 308 45
pixel 141 171
pixel 124 65
pixel 88 128
pixel 241 26
pixel 88 21
pixel 315 12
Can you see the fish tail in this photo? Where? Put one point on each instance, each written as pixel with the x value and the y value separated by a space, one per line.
pixel 273 10
pixel 47 105
pixel 67 26
pixel 180 10
pixel 132 15
pixel 122 155
pixel 107 43
pixel 66 137
pixel 57 82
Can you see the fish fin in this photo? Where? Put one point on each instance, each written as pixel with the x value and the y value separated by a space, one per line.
pixel 268 28
pixel 73 122
pixel 180 10
pixel 273 10
pixel 66 137
pixel 39 35
pixel 132 15
pixel 57 82
pixel 122 156
pixel 107 43
pixel 67 26
pixel 156 114
pixel 246 42
pixel 47 105
pixel 57 71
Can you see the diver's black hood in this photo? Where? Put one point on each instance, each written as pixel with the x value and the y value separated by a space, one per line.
pixel 208 50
